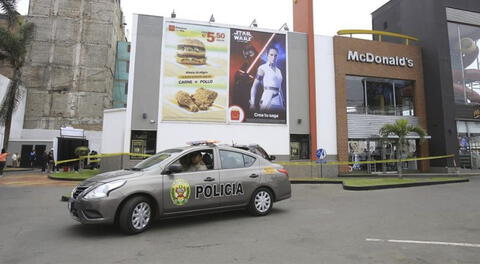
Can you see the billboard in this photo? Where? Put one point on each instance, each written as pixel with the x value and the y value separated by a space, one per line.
pixel 195 73
pixel 218 74
pixel 257 77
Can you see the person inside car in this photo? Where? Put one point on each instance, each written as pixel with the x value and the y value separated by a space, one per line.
pixel 196 163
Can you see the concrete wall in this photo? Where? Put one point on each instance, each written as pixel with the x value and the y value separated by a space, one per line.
pixel 146 72
pixel 325 93
pixel 298 103
pixel 113 130
pixel 71 62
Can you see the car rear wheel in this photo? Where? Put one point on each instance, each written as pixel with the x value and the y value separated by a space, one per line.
pixel 136 215
pixel 261 202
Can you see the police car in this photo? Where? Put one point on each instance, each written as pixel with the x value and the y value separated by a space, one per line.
pixel 199 178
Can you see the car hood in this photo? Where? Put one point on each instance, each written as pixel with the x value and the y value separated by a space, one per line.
pixel 114 175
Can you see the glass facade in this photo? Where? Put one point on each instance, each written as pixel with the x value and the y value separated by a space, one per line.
pixel 469 144
pixel 376 149
pixel 376 96
pixel 464 55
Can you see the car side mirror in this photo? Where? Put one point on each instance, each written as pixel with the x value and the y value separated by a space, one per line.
pixel 272 157
pixel 172 169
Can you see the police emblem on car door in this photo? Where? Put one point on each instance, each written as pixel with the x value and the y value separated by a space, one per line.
pixel 183 177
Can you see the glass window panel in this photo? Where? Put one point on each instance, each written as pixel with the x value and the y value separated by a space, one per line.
pixel 355 95
pixel 358 151
pixel 461 127
pixel 464 55
pixel 231 160
pixel 143 142
pixel 248 160
pixel 473 128
pixel 380 99
pixel 404 98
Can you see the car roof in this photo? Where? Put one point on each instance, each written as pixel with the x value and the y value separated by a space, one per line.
pixel 221 147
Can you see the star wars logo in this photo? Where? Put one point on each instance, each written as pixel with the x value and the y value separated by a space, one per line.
pixel 242 36
pixel 218 190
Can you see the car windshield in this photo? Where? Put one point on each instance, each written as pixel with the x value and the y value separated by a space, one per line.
pixel 155 159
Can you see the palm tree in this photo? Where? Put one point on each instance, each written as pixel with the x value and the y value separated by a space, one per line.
pixel 8 7
pixel 13 48
pixel 401 129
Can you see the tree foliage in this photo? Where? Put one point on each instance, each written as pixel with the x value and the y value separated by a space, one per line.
pixel 401 128
pixel 8 7
pixel 14 42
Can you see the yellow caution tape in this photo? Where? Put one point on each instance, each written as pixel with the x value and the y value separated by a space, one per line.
pixel 102 156
pixel 290 163
pixel 313 163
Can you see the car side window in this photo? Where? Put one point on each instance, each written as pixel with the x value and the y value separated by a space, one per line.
pixel 231 160
pixel 248 160
pixel 200 160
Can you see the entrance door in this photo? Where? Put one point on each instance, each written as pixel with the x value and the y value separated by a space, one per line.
pixel 24 156
pixel 389 153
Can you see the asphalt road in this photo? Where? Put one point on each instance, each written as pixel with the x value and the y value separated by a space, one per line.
pixel 320 224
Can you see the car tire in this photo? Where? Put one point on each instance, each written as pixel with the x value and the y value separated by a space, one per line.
pixel 261 202
pixel 136 215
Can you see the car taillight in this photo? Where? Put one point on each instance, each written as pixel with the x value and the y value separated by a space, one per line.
pixel 284 171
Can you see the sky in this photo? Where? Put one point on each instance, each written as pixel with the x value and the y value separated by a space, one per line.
pixel 330 16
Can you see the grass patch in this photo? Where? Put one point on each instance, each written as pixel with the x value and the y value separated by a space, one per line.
pixel 369 182
pixel 362 182
pixel 71 175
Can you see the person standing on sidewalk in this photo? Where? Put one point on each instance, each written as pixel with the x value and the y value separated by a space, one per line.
pixel 31 157
pixel 43 159
pixel 50 161
pixel 15 160
pixel 3 160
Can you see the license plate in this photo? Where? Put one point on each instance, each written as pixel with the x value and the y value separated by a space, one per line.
pixel 70 204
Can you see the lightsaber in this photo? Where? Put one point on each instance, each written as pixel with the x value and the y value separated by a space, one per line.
pixel 260 53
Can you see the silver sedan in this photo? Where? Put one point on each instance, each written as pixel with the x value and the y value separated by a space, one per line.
pixel 182 181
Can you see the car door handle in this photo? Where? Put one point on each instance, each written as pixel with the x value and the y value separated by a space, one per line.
pixel 254 175
pixel 209 179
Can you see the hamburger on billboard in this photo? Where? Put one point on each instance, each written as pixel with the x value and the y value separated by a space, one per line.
pixel 195 73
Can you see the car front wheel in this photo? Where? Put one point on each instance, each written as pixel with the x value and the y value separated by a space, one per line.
pixel 261 202
pixel 136 215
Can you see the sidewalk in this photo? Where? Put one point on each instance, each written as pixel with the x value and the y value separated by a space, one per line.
pixel 31 179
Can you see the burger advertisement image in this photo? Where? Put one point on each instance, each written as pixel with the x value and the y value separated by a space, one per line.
pixel 195 73
pixel 257 91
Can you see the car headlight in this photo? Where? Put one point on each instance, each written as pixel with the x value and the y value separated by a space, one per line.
pixel 103 190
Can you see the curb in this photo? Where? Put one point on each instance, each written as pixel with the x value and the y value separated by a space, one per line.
pixel 19 170
pixel 315 182
pixel 404 185
pixel 63 179
pixel 378 187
